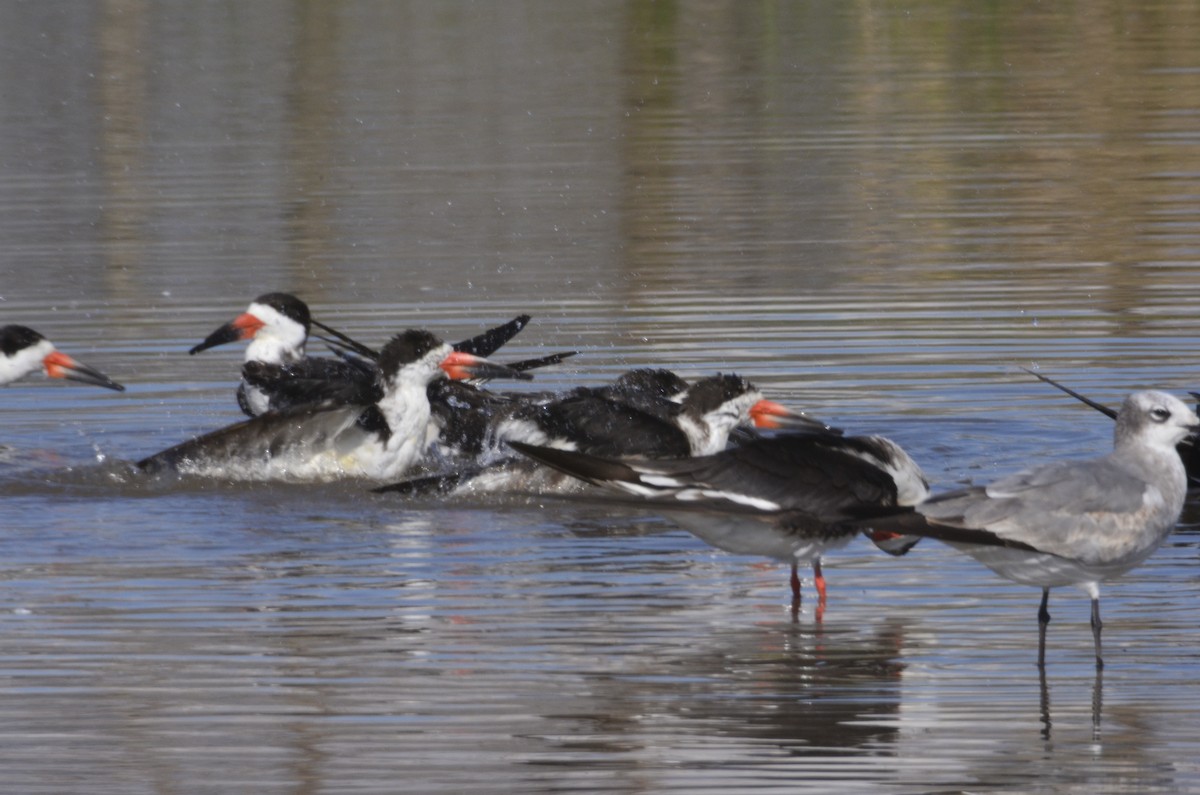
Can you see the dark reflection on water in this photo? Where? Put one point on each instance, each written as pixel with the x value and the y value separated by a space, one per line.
pixel 876 211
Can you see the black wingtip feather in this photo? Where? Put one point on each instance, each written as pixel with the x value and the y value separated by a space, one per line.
pixel 1103 409
pixel 592 469
pixel 349 342
pixel 913 523
pixel 541 361
pixel 493 339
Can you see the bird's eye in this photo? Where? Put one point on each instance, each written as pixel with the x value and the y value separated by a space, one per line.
pixel 1159 414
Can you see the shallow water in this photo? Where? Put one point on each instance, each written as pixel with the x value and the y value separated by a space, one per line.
pixel 878 212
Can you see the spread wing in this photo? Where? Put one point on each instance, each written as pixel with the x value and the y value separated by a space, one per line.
pixel 258 440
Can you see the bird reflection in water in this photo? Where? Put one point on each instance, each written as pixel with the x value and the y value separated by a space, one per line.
pixel 1097 703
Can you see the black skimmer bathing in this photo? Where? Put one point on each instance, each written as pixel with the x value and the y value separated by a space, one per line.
pixel 24 351
pixel 604 423
pixel 789 497
pixel 588 421
pixel 658 391
pixel 378 438
pixel 635 394
pixel 354 381
pixel 467 418
pixel 278 374
pixel 655 391
pixel 1073 522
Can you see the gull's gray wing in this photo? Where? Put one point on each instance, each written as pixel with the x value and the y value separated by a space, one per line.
pixel 1076 487
pixel 1075 509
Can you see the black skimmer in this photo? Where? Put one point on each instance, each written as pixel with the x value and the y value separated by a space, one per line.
pixel 24 351
pixel 379 437
pixel 293 385
pixel 589 421
pixel 467 418
pixel 603 423
pixel 277 372
pixel 658 392
pixel 651 389
pixel 789 497
pixel 655 391
pixel 1073 522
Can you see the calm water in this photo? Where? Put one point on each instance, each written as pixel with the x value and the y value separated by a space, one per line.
pixel 877 211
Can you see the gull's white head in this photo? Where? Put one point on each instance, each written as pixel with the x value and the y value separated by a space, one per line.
pixel 1156 419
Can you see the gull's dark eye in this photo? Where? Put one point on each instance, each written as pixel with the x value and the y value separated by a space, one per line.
pixel 1159 414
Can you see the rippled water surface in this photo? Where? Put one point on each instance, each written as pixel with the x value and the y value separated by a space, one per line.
pixel 879 212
